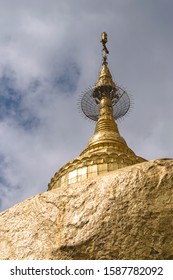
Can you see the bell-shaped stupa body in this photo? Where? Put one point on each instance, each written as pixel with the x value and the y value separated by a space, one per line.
pixel 106 150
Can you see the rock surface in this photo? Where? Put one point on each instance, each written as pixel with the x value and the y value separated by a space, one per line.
pixel 125 214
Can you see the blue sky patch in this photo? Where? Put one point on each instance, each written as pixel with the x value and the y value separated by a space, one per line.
pixel 67 80
pixel 11 103
pixel 9 98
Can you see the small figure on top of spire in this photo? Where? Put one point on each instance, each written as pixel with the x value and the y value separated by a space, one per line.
pixel 104 39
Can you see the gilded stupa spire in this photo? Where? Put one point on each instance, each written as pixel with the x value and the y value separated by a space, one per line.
pixel 105 77
pixel 104 92
pixel 106 150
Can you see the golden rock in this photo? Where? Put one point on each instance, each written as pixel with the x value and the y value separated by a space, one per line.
pixel 124 214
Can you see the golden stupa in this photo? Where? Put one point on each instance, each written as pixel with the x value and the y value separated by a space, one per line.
pixel 106 150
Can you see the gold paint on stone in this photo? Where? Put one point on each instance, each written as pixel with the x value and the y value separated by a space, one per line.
pixel 126 214
pixel 106 150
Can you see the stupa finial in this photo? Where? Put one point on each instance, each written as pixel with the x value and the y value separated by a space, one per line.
pixel 104 40
pixel 105 85
pixel 105 77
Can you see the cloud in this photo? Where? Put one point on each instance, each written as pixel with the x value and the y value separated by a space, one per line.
pixel 49 53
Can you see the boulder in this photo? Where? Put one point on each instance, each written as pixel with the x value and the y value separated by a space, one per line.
pixel 124 214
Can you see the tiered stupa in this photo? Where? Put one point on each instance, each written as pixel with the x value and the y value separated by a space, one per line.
pixel 106 150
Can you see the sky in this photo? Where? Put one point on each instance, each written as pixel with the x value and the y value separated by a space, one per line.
pixel 50 52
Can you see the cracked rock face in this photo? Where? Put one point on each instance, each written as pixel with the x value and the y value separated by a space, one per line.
pixel 125 214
